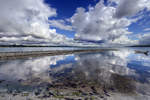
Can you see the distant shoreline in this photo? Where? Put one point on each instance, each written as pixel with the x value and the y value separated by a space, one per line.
pixel 22 54
pixel 139 46
pixel 45 46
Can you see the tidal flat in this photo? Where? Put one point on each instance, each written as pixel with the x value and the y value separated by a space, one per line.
pixel 101 74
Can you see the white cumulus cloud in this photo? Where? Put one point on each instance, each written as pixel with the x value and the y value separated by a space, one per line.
pixel 60 24
pixel 98 23
pixel 106 22
pixel 131 7
pixel 144 39
pixel 27 20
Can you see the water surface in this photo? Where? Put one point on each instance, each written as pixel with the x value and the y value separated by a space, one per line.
pixel 108 75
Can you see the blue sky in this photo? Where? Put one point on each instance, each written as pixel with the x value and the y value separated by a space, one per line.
pixel 67 8
pixel 75 22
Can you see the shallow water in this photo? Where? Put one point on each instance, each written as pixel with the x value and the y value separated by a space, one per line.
pixel 108 75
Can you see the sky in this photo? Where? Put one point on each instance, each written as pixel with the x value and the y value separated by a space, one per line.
pixel 75 22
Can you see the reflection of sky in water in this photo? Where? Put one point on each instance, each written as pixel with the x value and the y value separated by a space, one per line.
pixel 103 68
pixel 141 64
pixel 24 69
pixel 68 59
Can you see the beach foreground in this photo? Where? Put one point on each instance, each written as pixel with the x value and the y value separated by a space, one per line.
pixel 95 74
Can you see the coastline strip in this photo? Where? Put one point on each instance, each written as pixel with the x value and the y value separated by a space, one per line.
pixel 15 55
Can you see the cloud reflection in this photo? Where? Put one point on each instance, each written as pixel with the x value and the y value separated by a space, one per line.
pixel 29 69
pixel 106 71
